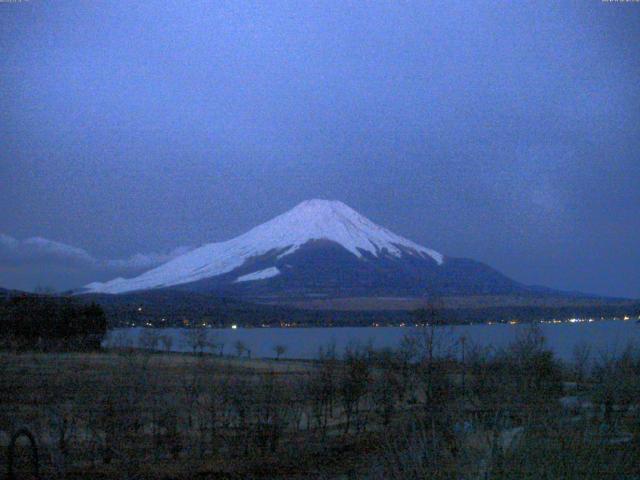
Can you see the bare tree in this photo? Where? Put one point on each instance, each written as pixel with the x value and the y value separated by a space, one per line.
pixel 219 346
pixel 240 348
pixel 409 454
pixel 197 339
pixel 354 383
pixel 148 339
pixel 387 388
pixel 167 342
pixel 581 362
pixel 279 351
pixel 322 388
pixel 617 379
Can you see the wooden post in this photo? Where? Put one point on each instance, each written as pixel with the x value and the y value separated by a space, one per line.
pixel 35 464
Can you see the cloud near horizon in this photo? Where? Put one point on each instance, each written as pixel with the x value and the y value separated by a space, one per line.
pixel 39 262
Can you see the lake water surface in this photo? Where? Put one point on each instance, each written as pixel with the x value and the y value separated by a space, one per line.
pixel 606 336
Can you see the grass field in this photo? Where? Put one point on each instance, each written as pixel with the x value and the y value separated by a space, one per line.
pixel 151 404
pixel 372 415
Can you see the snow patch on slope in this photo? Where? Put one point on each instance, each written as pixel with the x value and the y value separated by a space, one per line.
pixel 259 275
pixel 310 220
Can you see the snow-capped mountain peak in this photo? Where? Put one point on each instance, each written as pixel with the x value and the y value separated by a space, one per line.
pixel 333 220
pixel 286 233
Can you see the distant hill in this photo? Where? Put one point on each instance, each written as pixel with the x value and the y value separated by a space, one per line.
pixel 6 293
pixel 172 307
pixel 177 308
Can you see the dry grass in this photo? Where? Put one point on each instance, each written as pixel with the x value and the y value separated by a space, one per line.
pixel 41 390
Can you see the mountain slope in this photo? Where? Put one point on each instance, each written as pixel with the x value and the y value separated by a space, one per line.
pixel 319 248
pixel 282 236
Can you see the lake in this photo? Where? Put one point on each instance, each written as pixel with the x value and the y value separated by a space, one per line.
pixel 605 336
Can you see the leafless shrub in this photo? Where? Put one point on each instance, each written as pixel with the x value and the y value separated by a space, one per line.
pixel 410 453
pixel 617 382
pixel 279 351
pixel 387 391
pixel 240 348
pixel 149 339
pixel 353 385
pixel 167 342
pixel 322 388
pixel 581 362
pixel 197 339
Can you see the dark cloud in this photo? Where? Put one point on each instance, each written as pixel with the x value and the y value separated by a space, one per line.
pixel 505 132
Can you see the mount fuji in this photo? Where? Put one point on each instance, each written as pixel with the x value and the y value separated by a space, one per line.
pixel 319 249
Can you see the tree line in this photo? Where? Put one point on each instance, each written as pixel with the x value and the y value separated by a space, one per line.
pixel 48 322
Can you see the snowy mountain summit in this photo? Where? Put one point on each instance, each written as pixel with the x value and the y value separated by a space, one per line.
pixel 318 250
pixel 268 249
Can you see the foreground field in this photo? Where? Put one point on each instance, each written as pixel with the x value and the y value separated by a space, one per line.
pixel 400 415
pixel 92 412
pixel 165 416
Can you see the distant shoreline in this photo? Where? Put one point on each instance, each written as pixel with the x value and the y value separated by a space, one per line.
pixel 602 336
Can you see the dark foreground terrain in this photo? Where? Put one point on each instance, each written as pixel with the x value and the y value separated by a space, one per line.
pixel 517 413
